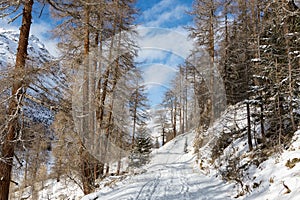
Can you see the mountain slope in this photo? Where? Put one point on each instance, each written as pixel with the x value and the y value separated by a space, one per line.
pixel 42 75
pixel 171 174
pixel 42 85
pixel 8 48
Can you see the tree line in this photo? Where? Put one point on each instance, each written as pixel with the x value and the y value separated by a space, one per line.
pixel 98 102
pixel 245 52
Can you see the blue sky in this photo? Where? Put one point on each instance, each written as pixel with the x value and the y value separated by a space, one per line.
pixel 163 42
pixel 164 13
pixel 163 39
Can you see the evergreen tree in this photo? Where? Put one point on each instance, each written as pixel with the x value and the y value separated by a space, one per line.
pixel 276 76
pixel 140 154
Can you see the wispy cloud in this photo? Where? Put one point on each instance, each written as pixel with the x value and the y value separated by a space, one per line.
pixel 157 9
pixel 42 30
pixel 157 78
pixel 162 50
pixel 158 74
pixel 166 13
pixel 160 39
pixel 167 16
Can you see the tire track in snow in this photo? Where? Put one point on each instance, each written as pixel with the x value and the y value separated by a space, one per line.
pixel 170 182
pixel 148 189
pixel 185 187
pixel 156 183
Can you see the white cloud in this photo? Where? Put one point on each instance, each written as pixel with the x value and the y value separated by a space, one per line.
pixel 157 9
pixel 158 74
pixel 168 40
pixel 149 55
pixel 43 32
pixel 167 16
pixel 174 60
pixel 6 26
pixel 161 51
pixel 165 12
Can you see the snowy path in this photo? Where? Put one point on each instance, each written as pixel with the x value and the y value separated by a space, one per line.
pixel 169 176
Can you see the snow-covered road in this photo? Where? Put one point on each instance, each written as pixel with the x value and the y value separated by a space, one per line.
pixel 170 175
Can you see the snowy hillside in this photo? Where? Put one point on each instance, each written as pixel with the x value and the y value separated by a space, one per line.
pixel 50 189
pixel 8 48
pixel 45 80
pixel 174 173
pixel 279 177
pixel 42 93
pixel 260 174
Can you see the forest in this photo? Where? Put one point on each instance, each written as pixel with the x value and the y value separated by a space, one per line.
pixel 77 114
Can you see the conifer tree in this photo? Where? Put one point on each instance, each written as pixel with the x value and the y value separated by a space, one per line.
pixel 276 75
pixel 140 154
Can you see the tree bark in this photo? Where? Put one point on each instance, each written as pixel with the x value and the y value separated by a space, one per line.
pixel 290 76
pixel 211 50
pixel 87 161
pixel 249 127
pixel 134 116
pixel 163 136
pixel 14 106
pixel 175 117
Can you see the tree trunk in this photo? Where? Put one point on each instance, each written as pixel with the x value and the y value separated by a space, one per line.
pixel 181 108
pixel 87 166
pixel 102 97
pixel 262 121
pixel 290 68
pixel 163 136
pixel 174 117
pixel 134 116
pixel 186 127
pixel 249 127
pixel 8 145
pixel 211 51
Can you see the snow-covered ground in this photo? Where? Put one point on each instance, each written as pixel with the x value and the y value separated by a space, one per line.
pixel 171 174
pixel 275 178
pixel 174 174
pixel 50 189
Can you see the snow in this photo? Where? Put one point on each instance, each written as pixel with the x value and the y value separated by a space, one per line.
pixel 256 60
pixel 265 181
pixel 44 78
pixel 8 48
pixel 51 189
pixel 174 174
pixel 171 174
pixel 273 173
